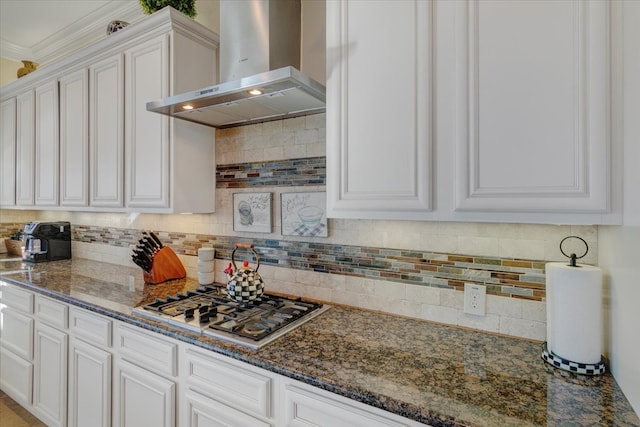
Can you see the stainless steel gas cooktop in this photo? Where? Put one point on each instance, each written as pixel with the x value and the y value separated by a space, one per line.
pixel 208 310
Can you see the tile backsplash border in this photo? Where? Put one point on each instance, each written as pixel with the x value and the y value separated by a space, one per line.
pixel 507 277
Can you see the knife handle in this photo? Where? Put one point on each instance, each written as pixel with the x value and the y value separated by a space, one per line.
pixel 156 239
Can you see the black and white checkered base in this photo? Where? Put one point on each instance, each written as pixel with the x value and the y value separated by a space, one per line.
pixel 566 365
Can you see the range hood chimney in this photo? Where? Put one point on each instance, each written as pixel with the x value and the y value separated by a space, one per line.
pixel 259 68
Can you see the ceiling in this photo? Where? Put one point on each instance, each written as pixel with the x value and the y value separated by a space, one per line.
pixel 44 30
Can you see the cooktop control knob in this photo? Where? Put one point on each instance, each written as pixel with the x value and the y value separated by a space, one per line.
pixel 188 313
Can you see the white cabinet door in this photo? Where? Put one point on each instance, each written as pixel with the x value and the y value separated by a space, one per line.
pixel 47 167
pixel 147 133
pixel 532 105
pixel 50 376
pixel 16 377
pixel 143 398
pixel 17 333
pixel 106 138
pixel 89 385
pixel 379 108
pixel 8 153
pixel 74 139
pixel 25 148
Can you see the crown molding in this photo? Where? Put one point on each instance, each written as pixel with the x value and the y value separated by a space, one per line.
pixel 76 36
pixel 15 52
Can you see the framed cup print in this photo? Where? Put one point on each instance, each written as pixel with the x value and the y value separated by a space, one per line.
pixel 304 214
pixel 252 212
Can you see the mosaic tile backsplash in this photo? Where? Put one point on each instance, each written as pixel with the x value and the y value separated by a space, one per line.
pixel 503 276
pixel 282 173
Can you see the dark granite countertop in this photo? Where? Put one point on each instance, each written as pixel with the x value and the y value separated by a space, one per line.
pixel 436 374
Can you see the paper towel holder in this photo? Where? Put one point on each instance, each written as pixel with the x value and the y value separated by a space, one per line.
pixel 574 257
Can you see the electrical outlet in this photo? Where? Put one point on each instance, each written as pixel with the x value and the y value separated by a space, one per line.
pixel 475 299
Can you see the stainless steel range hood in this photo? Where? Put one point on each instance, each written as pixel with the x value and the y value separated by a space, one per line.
pixel 259 61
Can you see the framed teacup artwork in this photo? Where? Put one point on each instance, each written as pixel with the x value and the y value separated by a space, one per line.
pixel 252 212
pixel 304 214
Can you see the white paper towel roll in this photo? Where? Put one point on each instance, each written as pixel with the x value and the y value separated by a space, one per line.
pixel 574 312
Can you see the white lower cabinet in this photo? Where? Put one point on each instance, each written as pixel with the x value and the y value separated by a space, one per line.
pixel 89 385
pixel 16 377
pixel 223 392
pixel 16 344
pixel 202 411
pixel 143 398
pixel 306 406
pixel 50 375
pixel 145 385
pixel 90 369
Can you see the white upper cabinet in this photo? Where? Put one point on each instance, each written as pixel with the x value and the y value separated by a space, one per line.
pixel 25 148
pixel 533 106
pixel 94 146
pixel 473 110
pixel 8 152
pixel 106 132
pixel 146 133
pixel 379 108
pixel 74 139
pixel 47 145
pixel 169 165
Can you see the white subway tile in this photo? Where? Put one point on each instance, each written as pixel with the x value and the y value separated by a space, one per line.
pixel 521 248
pixel 316 121
pixel 504 306
pixel 490 322
pixel 451 298
pixel 534 310
pixel 480 246
pixel 423 294
pixel 439 314
pixel 390 291
pixel 315 149
pixel 273 153
pixel 404 308
pixel 523 328
pixel 294 151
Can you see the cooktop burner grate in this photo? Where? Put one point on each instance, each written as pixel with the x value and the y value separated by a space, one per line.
pixel 208 310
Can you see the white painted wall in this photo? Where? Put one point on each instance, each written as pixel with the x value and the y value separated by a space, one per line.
pixel 619 246
pixel 8 70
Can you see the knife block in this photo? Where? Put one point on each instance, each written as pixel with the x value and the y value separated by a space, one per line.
pixel 165 266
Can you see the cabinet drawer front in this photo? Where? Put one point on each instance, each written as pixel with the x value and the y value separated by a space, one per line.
pixel 91 327
pixel 16 377
pixel 305 408
pixel 51 312
pixel 154 353
pixel 206 412
pixel 17 333
pixel 17 299
pixel 229 383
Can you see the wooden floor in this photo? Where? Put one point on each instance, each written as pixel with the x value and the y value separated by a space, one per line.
pixel 14 415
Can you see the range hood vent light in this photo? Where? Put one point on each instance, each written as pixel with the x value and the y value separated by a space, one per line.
pixel 264 84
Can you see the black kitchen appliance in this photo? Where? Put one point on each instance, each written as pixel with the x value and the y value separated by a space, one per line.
pixel 47 241
pixel 209 311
